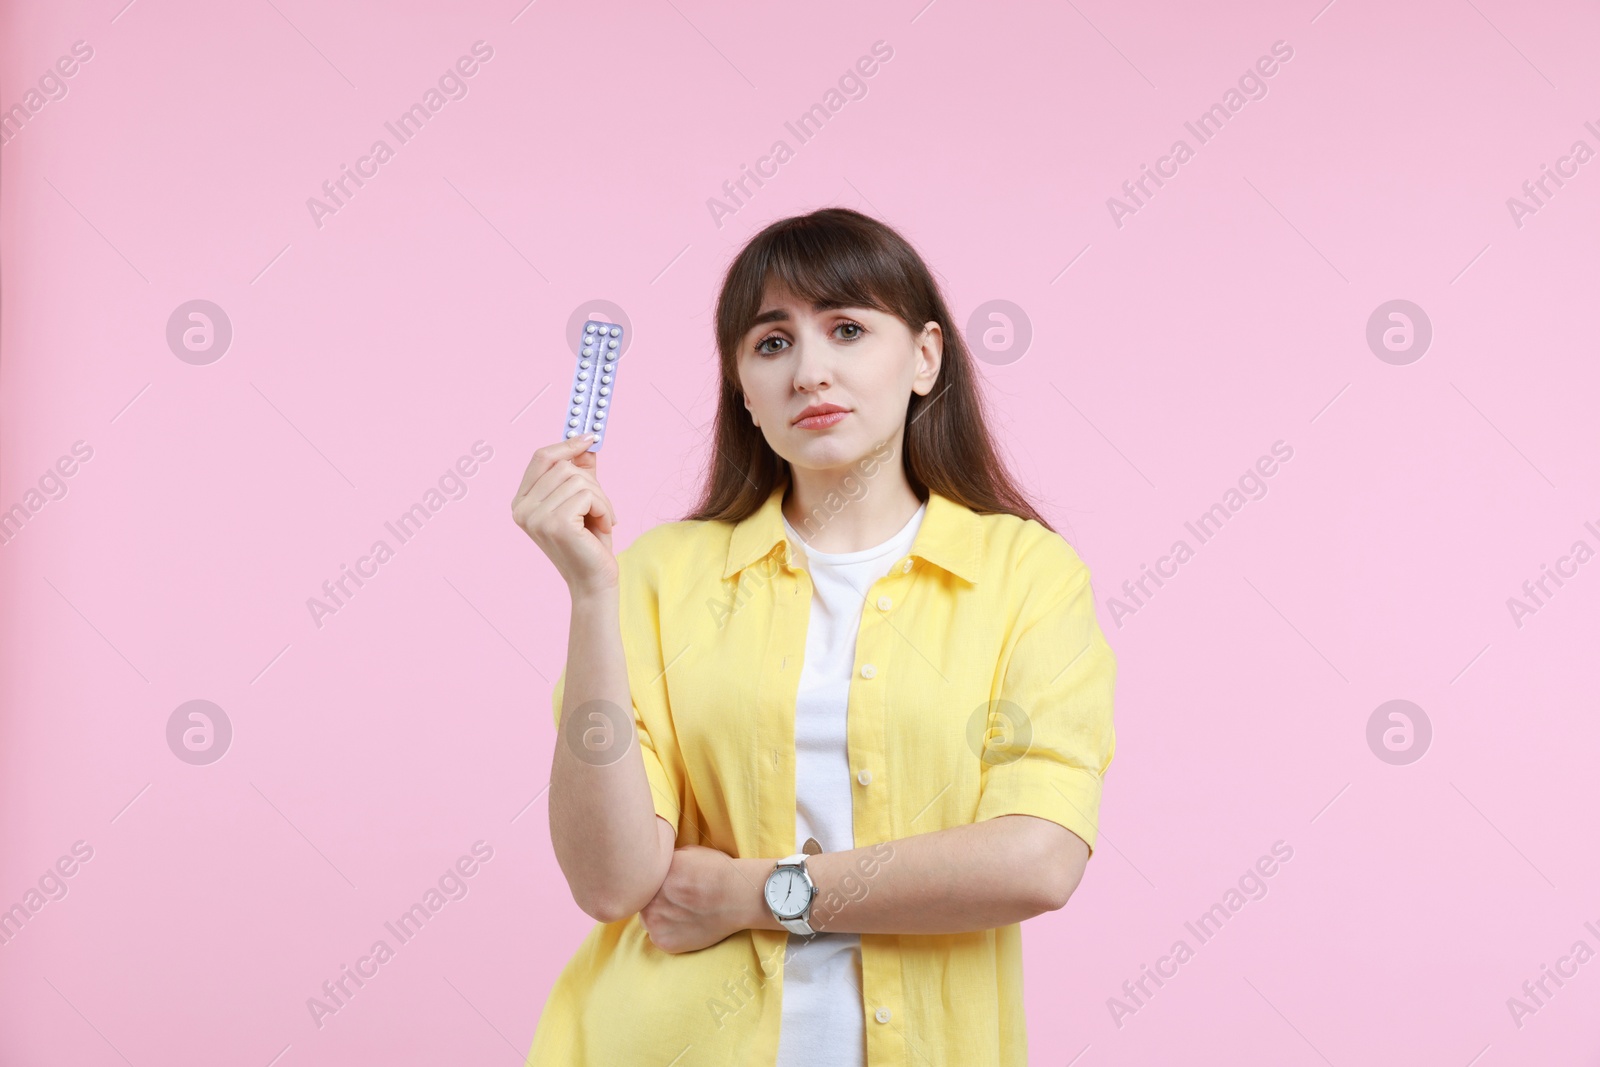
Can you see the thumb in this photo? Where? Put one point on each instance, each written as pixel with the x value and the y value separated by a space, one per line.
pixel 601 519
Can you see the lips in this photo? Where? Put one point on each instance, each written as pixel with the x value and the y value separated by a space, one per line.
pixel 821 416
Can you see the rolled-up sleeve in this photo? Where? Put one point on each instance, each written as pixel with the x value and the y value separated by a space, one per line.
pixel 647 685
pixel 1050 737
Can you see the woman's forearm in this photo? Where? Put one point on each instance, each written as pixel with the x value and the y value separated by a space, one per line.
pixel 611 847
pixel 973 877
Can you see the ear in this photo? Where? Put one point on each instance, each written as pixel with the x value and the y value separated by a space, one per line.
pixel 930 357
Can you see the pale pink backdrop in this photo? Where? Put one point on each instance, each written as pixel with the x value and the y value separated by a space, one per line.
pixel 1168 353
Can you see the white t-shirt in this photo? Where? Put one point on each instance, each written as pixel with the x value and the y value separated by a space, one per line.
pixel 823 1019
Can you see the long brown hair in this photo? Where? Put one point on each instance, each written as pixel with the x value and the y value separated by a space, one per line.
pixel 836 257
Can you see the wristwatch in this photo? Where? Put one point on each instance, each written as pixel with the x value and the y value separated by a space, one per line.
pixel 789 891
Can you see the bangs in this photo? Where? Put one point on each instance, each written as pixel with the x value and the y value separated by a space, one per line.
pixel 823 266
pixel 824 274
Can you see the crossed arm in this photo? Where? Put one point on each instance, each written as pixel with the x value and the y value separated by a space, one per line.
pixel 974 877
pixel 602 819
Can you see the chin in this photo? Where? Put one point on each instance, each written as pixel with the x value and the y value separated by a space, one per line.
pixel 827 455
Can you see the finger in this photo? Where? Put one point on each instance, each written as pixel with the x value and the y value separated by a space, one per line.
pixel 547 457
pixel 589 464
pixel 595 507
pixel 542 495
pixel 601 511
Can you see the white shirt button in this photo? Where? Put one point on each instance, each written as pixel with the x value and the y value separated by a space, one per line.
pixel 905 568
pixel 882 1015
pixel 884 603
pixel 865 777
pixel 868 670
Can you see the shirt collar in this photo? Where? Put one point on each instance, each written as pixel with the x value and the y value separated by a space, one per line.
pixel 951 536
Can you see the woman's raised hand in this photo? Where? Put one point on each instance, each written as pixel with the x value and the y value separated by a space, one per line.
pixel 561 506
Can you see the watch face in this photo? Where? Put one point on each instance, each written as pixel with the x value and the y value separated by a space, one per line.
pixel 787 892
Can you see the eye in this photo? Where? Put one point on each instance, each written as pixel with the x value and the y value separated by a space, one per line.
pixel 761 348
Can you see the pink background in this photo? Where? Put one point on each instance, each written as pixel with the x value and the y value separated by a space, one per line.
pixel 369 354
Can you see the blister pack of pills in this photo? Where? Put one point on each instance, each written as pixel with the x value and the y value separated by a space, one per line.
pixel 594 381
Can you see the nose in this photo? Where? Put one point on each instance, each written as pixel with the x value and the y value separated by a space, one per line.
pixel 813 365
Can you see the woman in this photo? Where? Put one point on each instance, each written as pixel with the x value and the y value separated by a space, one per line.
pixel 871 701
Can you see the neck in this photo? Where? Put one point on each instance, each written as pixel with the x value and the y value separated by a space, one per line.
pixel 845 512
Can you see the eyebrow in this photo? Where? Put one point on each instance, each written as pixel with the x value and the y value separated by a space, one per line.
pixel 782 315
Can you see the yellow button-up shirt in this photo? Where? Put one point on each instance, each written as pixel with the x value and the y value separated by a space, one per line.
pixel 982 686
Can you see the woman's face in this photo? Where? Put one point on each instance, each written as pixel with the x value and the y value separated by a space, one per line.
pixel 865 362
